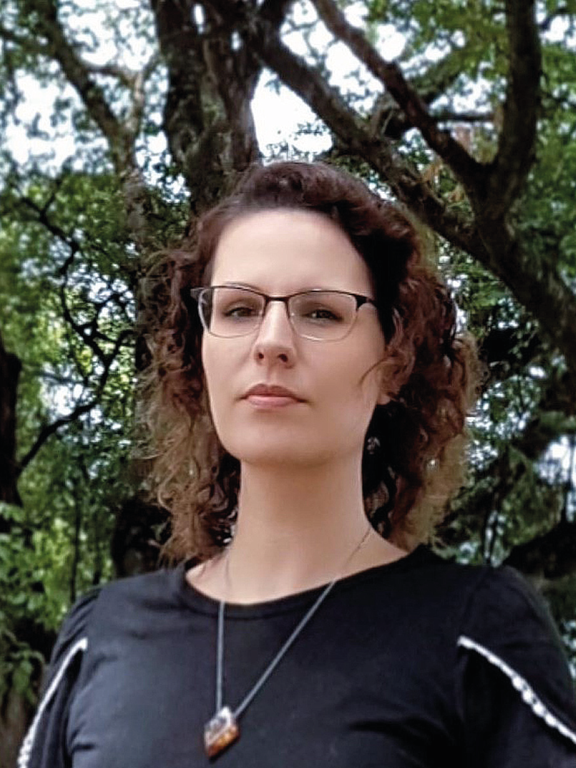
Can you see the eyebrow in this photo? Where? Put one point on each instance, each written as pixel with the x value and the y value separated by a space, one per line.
pixel 251 287
pixel 235 284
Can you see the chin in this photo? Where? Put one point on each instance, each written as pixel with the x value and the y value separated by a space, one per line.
pixel 272 456
pixel 282 454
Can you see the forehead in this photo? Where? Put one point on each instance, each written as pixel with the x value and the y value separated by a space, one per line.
pixel 282 251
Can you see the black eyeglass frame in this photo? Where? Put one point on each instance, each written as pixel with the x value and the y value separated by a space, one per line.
pixel 196 294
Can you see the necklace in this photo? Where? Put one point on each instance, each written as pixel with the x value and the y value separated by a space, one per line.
pixel 222 729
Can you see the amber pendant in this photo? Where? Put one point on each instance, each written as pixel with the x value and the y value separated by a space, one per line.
pixel 220 731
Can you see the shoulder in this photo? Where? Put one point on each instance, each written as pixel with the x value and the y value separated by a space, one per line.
pixel 482 593
pixel 481 606
pixel 127 595
pixel 510 662
pixel 504 603
pixel 155 585
pixel 494 606
pixel 439 589
pixel 510 655
pixel 42 745
pixel 103 612
pixel 72 638
pixel 137 607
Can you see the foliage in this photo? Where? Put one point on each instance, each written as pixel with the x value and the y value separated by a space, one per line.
pixel 19 664
pixel 67 303
pixel 121 121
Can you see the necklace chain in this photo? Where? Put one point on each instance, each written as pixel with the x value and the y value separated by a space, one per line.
pixel 225 719
pixel 275 661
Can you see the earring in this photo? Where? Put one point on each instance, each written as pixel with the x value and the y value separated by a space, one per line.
pixel 372 445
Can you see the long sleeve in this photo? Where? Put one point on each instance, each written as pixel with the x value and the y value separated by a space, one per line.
pixel 514 691
pixel 44 744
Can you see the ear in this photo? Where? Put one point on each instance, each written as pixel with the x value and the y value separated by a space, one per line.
pixel 383 383
pixel 392 376
pixel 383 398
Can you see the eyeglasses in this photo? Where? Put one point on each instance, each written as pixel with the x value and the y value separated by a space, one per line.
pixel 228 311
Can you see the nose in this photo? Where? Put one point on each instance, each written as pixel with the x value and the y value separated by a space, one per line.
pixel 275 339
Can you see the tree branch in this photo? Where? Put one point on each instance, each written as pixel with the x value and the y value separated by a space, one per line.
pixel 78 411
pixel 51 429
pixel 516 147
pixel 535 282
pixel 307 83
pixel 388 119
pixel 554 417
pixel 185 122
pixel 464 167
pixel 207 113
pixel 449 116
pixel 78 329
pixel 235 74
pixel 24 42
pixel 126 76
pixel 546 23
pixel 547 557
pixel 43 218
pixel 532 278
pixel 134 82
pixel 274 11
pixel 78 75
pixel 120 136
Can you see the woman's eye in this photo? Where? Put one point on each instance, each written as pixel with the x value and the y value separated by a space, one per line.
pixel 240 311
pixel 323 314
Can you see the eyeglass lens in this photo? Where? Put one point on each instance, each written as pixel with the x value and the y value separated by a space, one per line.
pixel 322 315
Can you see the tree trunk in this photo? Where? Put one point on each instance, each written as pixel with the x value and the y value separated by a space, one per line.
pixel 10 367
pixel 14 719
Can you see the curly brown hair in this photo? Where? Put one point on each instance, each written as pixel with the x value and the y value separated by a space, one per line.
pixel 413 455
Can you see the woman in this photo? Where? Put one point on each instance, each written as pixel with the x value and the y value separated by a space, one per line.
pixel 307 400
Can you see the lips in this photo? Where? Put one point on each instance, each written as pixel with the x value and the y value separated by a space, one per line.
pixel 272 391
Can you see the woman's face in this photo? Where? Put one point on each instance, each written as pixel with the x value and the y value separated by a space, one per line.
pixel 336 384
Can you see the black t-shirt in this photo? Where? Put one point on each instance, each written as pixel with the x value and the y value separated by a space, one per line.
pixel 420 663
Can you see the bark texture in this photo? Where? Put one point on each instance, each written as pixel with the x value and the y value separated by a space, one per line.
pixel 214 52
pixel 10 367
pixel 488 233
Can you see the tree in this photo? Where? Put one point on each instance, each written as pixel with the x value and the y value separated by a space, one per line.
pixel 470 128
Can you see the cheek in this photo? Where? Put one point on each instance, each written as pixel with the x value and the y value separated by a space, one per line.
pixel 219 358
pixel 210 375
pixel 351 391
pixel 216 364
pixel 207 356
pixel 356 371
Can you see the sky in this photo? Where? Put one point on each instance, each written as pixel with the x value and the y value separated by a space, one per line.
pixel 278 112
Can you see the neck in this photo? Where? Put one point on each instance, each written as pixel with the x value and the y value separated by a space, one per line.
pixel 298 529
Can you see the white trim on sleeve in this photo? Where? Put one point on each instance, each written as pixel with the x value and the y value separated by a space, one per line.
pixel 526 691
pixel 28 743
